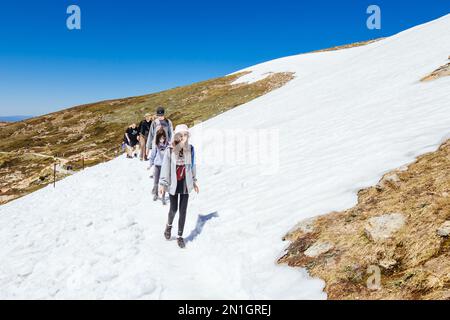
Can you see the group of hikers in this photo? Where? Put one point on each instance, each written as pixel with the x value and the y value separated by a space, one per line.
pixel 173 160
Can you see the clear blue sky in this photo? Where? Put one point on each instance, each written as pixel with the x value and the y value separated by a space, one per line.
pixel 135 47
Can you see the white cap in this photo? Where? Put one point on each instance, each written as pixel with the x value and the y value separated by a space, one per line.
pixel 181 128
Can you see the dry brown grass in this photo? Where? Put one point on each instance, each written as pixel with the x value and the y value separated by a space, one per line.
pixel 351 45
pixel 419 258
pixel 440 72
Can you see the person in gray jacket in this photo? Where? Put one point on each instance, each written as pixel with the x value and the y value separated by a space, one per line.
pixel 160 122
pixel 178 177
pixel 156 159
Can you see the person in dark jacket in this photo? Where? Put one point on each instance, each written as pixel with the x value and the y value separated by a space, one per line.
pixel 160 122
pixel 144 130
pixel 131 139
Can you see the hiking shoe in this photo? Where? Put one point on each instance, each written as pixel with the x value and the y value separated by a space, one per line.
pixel 155 197
pixel 168 232
pixel 180 242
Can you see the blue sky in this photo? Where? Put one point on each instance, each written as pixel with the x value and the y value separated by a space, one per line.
pixel 135 47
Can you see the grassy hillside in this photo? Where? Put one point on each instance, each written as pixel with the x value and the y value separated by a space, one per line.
pixel 401 226
pixel 95 131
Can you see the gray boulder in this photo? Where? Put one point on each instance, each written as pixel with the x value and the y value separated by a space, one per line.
pixel 444 229
pixel 383 227
pixel 318 248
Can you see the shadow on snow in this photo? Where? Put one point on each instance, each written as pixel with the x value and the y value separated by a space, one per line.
pixel 201 220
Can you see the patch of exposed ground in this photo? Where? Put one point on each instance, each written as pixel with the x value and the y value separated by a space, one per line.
pixel 94 132
pixel 400 227
pixel 440 72
pixel 351 45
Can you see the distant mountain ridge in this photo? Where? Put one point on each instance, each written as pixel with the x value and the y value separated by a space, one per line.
pixel 14 118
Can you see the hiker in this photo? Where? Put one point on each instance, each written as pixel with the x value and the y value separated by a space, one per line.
pixel 131 140
pixel 160 121
pixel 144 129
pixel 178 177
pixel 156 159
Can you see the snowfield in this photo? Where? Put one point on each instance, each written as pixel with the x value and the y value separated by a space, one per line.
pixel 347 117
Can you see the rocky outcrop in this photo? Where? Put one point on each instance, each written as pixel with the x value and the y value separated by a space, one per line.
pixel 444 229
pixel 399 229
pixel 440 72
pixel 318 248
pixel 304 226
pixel 389 180
pixel 383 227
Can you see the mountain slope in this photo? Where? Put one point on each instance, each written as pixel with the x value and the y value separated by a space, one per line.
pixel 94 132
pixel 346 118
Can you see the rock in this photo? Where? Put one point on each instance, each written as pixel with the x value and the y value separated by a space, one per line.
pixel 306 226
pixel 444 229
pixel 389 179
pixel 387 263
pixel 382 227
pixel 318 248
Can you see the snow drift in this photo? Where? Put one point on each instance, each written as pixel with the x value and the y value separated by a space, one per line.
pixel 346 118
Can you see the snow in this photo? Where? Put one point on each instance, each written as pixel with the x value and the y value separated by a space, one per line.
pixel 347 117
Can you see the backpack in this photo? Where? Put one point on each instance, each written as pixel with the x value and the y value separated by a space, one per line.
pixel 154 130
pixel 159 125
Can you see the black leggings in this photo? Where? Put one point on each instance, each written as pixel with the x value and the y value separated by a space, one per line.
pixel 184 198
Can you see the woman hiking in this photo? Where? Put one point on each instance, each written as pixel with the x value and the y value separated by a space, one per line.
pixel 178 177
pixel 156 159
